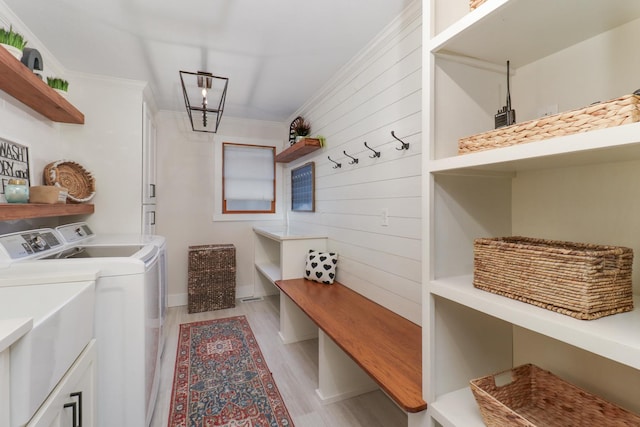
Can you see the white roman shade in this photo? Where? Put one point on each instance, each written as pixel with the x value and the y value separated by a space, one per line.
pixel 249 175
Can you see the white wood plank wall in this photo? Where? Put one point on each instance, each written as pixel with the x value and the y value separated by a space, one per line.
pixel 379 91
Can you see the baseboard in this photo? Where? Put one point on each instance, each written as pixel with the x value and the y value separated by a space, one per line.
pixel 176 300
pixel 346 395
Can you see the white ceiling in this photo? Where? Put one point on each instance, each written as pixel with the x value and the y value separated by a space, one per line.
pixel 276 53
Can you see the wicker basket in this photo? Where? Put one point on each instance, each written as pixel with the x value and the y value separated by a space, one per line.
pixel 535 397
pixel 212 278
pixel 580 280
pixel 79 182
pixel 616 112
pixel 475 3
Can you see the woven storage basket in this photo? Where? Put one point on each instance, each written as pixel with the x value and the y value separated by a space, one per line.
pixel 212 277
pixel 534 397
pixel 79 182
pixel 475 3
pixel 580 280
pixel 616 112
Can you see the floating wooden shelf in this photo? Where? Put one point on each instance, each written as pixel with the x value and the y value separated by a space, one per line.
pixel 20 82
pixel 10 211
pixel 299 149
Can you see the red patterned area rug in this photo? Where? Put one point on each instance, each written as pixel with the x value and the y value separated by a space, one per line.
pixel 222 379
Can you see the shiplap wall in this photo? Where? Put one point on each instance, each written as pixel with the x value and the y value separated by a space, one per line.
pixel 379 91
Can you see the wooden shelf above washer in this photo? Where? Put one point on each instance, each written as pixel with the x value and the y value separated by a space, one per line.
pixel 20 82
pixel 299 149
pixel 13 211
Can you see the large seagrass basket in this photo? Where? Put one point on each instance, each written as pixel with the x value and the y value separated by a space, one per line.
pixel 533 397
pixel 212 277
pixel 612 113
pixel 581 280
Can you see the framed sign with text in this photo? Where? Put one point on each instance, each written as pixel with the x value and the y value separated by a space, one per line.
pixel 14 163
pixel 303 188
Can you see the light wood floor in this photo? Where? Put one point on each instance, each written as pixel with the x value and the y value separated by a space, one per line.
pixel 294 367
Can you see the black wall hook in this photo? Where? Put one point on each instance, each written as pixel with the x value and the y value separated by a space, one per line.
pixel 375 153
pixel 405 145
pixel 354 161
pixel 338 165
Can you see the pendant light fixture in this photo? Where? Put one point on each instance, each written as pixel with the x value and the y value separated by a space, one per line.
pixel 204 98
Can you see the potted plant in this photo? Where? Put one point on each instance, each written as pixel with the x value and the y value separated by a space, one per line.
pixel 60 85
pixel 301 127
pixel 13 42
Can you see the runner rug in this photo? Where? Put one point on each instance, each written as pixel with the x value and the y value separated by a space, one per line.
pixel 222 379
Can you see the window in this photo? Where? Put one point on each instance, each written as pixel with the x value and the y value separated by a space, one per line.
pixel 248 178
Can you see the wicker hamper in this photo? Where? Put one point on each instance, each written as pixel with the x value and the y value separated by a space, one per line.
pixel 534 397
pixel 212 277
pixel 580 280
pixel 619 111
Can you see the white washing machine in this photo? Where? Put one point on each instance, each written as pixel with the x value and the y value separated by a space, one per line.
pixel 129 305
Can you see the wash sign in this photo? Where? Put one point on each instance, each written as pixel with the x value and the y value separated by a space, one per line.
pixel 14 162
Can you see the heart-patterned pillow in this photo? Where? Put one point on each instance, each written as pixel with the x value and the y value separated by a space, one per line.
pixel 321 266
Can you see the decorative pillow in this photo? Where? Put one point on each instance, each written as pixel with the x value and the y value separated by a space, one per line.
pixel 321 266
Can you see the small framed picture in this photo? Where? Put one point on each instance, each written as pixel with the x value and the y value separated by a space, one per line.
pixel 303 188
pixel 14 163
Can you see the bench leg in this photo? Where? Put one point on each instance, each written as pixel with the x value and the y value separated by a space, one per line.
pixel 295 325
pixel 339 377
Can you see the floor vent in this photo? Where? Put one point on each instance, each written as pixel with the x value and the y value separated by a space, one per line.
pixel 251 299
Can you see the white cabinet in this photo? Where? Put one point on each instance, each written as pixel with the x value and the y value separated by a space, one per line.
pixel 148 171
pixel 148 219
pixel 148 156
pixel 581 187
pixel 72 402
pixel 281 254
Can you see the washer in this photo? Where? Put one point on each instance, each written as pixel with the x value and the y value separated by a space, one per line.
pixel 129 307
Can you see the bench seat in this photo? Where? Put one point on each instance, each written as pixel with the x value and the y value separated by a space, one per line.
pixel 385 345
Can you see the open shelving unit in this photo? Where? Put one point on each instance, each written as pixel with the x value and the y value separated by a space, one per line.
pixel 20 82
pixel 9 212
pixel 299 149
pixel 541 189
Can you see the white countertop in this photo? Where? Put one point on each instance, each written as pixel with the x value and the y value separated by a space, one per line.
pixel 11 330
pixel 286 233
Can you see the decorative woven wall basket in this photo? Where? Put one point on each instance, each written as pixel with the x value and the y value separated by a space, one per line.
pixel 581 280
pixel 475 3
pixel 620 111
pixel 533 397
pixel 79 182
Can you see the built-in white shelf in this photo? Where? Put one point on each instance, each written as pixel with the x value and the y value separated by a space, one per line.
pixel 620 143
pixel 458 408
pixel 516 32
pixel 270 270
pixel 280 253
pixel 470 333
pixel 614 337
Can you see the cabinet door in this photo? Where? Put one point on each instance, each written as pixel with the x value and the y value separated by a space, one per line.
pixel 148 219
pixel 74 396
pixel 148 156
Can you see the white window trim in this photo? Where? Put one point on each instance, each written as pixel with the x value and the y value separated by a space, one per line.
pixel 217 184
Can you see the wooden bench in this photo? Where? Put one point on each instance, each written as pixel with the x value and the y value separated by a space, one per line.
pixel 385 345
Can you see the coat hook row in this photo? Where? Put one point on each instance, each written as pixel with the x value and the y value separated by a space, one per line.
pixel 375 153
pixel 405 145
pixel 354 161
pixel 338 165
